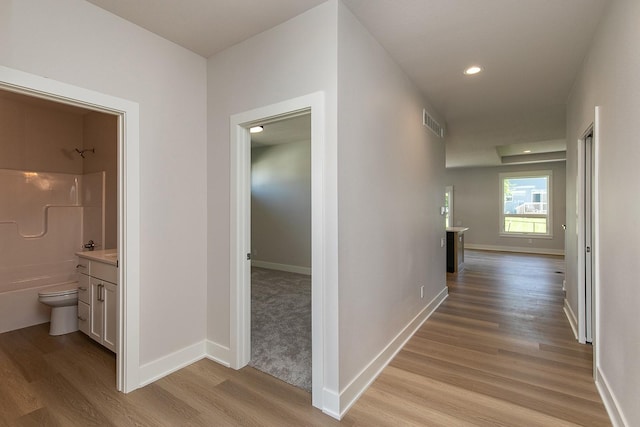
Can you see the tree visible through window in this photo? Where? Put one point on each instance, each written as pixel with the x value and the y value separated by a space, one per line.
pixel 526 203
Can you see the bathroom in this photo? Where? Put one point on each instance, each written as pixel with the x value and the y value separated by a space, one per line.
pixel 58 191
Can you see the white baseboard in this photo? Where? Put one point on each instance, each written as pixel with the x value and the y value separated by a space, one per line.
pixel 331 403
pixel 153 371
pixel 610 401
pixel 363 380
pixel 281 267
pixel 218 353
pixel 573 320
pixel 520 249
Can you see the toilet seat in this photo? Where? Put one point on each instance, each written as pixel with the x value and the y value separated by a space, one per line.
pixel 66 289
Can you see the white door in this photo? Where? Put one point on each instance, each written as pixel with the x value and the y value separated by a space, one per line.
pixel 110 307
pixel 588 237
pixel 97 310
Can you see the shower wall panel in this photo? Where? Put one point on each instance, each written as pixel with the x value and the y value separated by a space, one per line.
pixel 40 228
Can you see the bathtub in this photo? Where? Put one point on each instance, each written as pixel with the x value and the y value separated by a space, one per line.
pixel 20 308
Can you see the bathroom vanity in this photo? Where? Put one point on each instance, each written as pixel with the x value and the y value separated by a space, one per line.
pixel 98 296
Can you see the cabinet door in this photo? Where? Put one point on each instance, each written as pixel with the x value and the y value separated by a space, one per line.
pixel 110 324
pixel 97 310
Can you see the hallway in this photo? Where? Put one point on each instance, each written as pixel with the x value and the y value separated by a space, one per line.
pixel 498 351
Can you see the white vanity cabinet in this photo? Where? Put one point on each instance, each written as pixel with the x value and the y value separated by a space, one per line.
pixel 98 299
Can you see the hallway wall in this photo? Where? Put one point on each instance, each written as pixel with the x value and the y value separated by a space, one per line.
pixel 391 187
pixel 610 79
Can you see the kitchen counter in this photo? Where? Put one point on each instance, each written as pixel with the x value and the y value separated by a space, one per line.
pixel 457 229
pixel 108 256
pixel 455 249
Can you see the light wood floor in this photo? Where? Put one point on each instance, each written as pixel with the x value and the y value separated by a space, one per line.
pixel 498 352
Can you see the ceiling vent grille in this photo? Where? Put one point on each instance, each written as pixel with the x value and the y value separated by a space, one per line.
pixel 432 124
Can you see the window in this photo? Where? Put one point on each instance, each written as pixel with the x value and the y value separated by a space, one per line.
pixel 525 199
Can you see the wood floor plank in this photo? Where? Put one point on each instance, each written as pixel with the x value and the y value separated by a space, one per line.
pixel 39 418
pixel 465 405
pixel 67 404
pixel 16 396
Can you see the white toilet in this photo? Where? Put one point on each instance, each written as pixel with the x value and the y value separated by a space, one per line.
pixel 63 300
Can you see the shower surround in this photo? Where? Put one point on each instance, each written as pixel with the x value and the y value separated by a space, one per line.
pixel 44 220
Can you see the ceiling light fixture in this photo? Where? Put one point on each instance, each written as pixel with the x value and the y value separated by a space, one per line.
pixel 474 69
pixel 526 151
pixel 256 129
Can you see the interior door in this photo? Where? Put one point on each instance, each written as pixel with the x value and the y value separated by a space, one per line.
pixel 588 237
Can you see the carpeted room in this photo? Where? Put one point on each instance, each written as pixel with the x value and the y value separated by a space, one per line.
pixel 281 250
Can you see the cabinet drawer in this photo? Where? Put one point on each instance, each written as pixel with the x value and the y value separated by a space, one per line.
pixel 83 317
pixel 83 266
pixel 104 271
pixel 84 288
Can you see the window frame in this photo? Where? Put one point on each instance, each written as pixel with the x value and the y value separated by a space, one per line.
pixel 519 175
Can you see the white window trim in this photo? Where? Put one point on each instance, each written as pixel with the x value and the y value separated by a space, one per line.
pixel 526 174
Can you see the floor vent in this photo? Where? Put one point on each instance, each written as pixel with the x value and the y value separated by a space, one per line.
pixel 432 124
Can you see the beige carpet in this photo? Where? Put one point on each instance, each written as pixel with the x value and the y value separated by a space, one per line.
pixel 281 325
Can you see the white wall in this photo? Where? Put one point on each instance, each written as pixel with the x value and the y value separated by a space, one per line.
pixel 476 204
pixel 609 79
pixel 281 204
pixel 293 59
pixel 391 187
pixel 74 42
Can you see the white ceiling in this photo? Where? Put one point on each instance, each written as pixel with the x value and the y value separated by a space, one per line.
pixel 284 131
pixel 531 51
pixel 207 26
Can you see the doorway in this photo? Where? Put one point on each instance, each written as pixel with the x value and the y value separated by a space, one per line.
pixel 281 249
pixel 128 195
pixel 323 239
pixel 588 235
pixel 448 206
pixel 587 225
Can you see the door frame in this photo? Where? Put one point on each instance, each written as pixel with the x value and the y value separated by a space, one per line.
pixel 240 239
pixel 592 129
pixel 449 191
pixel 128 345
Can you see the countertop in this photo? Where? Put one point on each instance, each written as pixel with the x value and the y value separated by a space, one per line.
pixel 108 256
pixel 457 229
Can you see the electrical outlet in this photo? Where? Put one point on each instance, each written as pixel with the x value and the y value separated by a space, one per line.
pixel 421 292
pixel 442 242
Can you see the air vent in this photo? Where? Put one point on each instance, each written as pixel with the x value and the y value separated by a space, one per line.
pixel 432 124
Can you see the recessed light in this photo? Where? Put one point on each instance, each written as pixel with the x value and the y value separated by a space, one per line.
pixel 526 151
pixel 474 69
pixel 256 129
